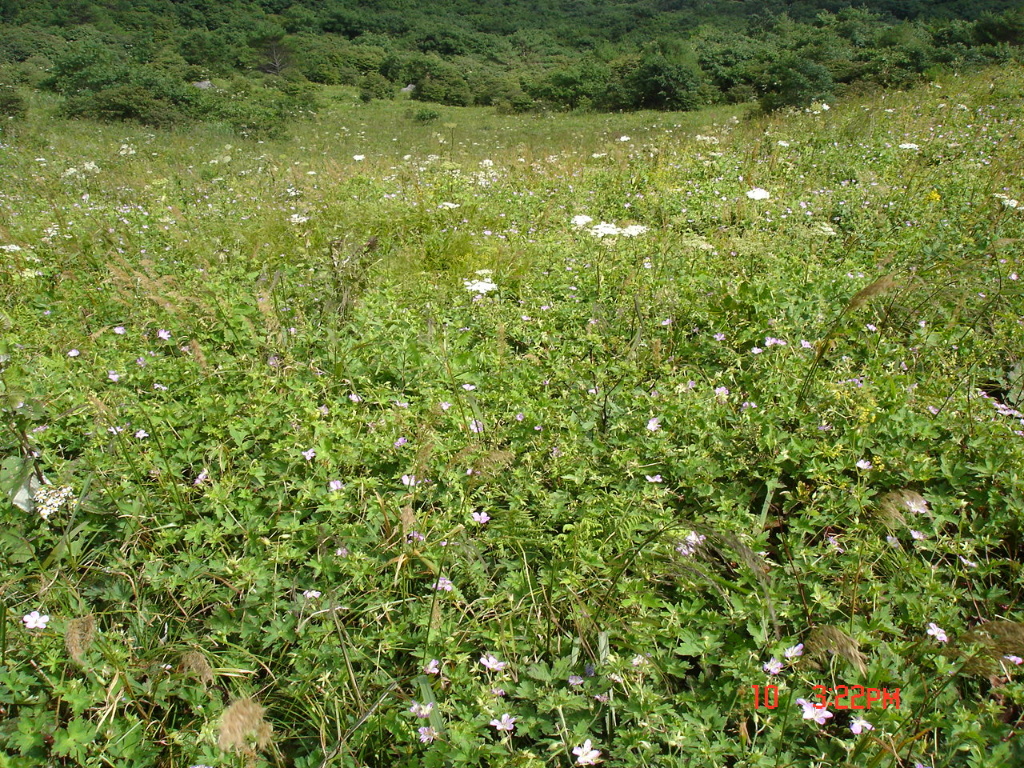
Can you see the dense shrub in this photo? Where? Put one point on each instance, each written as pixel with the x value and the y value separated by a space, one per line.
pixel 375 86
pixel 652 81
pixel 579 86
pixel 794 81
pixel 12 103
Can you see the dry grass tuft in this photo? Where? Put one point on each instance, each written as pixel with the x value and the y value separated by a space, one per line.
pixel 996 639
pixel 194 663
pixel 78 637
pixel 880 287
pixel 827 640
pixel 242 725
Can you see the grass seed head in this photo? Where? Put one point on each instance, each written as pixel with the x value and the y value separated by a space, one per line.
pixel 242 725
pixel 78 637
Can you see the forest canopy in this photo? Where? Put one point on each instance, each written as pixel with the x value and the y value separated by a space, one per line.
pixel 260 63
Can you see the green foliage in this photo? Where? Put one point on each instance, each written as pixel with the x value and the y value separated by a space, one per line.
pixel 12 103
pixel 425 115
pixel 794 81
pixel 375 86
pixel 271 398
pixel 623 56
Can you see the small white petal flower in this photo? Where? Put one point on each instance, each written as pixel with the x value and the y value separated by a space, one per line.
pixel 35 620
pixel 586 754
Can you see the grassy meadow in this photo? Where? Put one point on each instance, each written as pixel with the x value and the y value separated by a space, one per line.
pixel 465 439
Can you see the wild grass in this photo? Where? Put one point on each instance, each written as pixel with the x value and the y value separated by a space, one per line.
pixel 326 506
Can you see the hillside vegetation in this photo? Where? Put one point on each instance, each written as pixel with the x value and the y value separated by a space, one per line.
pixel 262 64
pixel 461 439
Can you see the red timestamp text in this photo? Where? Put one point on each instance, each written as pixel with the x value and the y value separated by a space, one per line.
pixel 842 697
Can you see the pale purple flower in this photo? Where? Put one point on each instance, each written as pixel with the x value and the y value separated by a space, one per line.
pixel 968 563
pixel 507 723
pixel 491 662
pixel 756 351
pixel 858 725
pixel 772 667
pixel 335 485
pixel 119 330
pixel 476 426
pixel 814 712
pixel 806 344
pixel 444 583
pixel 1014 659
pixel 834 543
pixel 771 341
pixel 917 535
pixel 654 424
pixel 469 387
pixel 794 651
pixel 653 478
pixel 115 430
pixel 871 327
pixel 575 680
pixel 141 434
pixel 864 464
pixel 140 361
pixel 520 416
pixel 312 594
pixel 586 754
pixel 341 552
pixel 159 387
pixel 355 398
pixel 721 392
pixel 499 692
pixel 400 442
pixel 433 667
pixel 690 544
pixel 35 620
pixel 164 334
pixel 427 734
pixel 309 455
pixel 422 710
pixel 719 337
pixel 416 536
pixel 480 517
pixel 401 404
pixel 445 406
pixel 917 504
pixel 410 480
pixel 937 632
pixel 113 375
pixel 73 353
pixel 201 478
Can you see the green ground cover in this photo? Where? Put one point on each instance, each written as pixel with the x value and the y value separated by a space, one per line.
pixel 515 440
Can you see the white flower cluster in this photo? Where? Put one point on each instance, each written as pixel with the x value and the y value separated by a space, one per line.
pixel 1008 201
pixel 605 229
pixel 49 499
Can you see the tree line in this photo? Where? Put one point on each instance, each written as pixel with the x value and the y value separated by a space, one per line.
pixel 140 60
